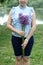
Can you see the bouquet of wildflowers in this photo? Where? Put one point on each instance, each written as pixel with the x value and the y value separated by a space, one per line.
pixel 24 20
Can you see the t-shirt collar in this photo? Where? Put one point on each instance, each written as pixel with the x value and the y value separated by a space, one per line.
pixel 22 7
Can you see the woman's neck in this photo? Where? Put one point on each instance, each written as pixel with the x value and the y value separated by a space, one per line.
pixel 22 6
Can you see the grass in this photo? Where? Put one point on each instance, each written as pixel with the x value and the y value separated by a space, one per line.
pixel 6 51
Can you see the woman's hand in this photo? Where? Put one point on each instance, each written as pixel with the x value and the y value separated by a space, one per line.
pixel 22 33
pixel 25 43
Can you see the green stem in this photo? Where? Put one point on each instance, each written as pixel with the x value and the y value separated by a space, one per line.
pixel 22 43
pixel 23 28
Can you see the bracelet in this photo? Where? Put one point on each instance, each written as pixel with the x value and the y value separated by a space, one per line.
pixel 26 40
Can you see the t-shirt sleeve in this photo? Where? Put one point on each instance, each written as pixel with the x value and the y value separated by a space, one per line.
pixel 32 10
pixel 13 11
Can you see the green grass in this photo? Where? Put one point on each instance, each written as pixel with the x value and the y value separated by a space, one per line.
pixel 6 51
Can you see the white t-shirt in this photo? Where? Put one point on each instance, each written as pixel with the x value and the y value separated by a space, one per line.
pixel 15 21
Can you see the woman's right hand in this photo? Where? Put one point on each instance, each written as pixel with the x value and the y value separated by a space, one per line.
pixel 22 33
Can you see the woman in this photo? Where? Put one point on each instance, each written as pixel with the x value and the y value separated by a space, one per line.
pixel 15 26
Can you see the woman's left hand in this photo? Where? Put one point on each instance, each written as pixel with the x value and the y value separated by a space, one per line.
pixel 24 44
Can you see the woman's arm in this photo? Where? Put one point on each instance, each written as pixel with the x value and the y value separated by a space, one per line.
pixel 31 31
pixel 33 26
pixel 9 26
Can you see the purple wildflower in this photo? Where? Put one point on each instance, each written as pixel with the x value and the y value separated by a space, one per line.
pixel 23 19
